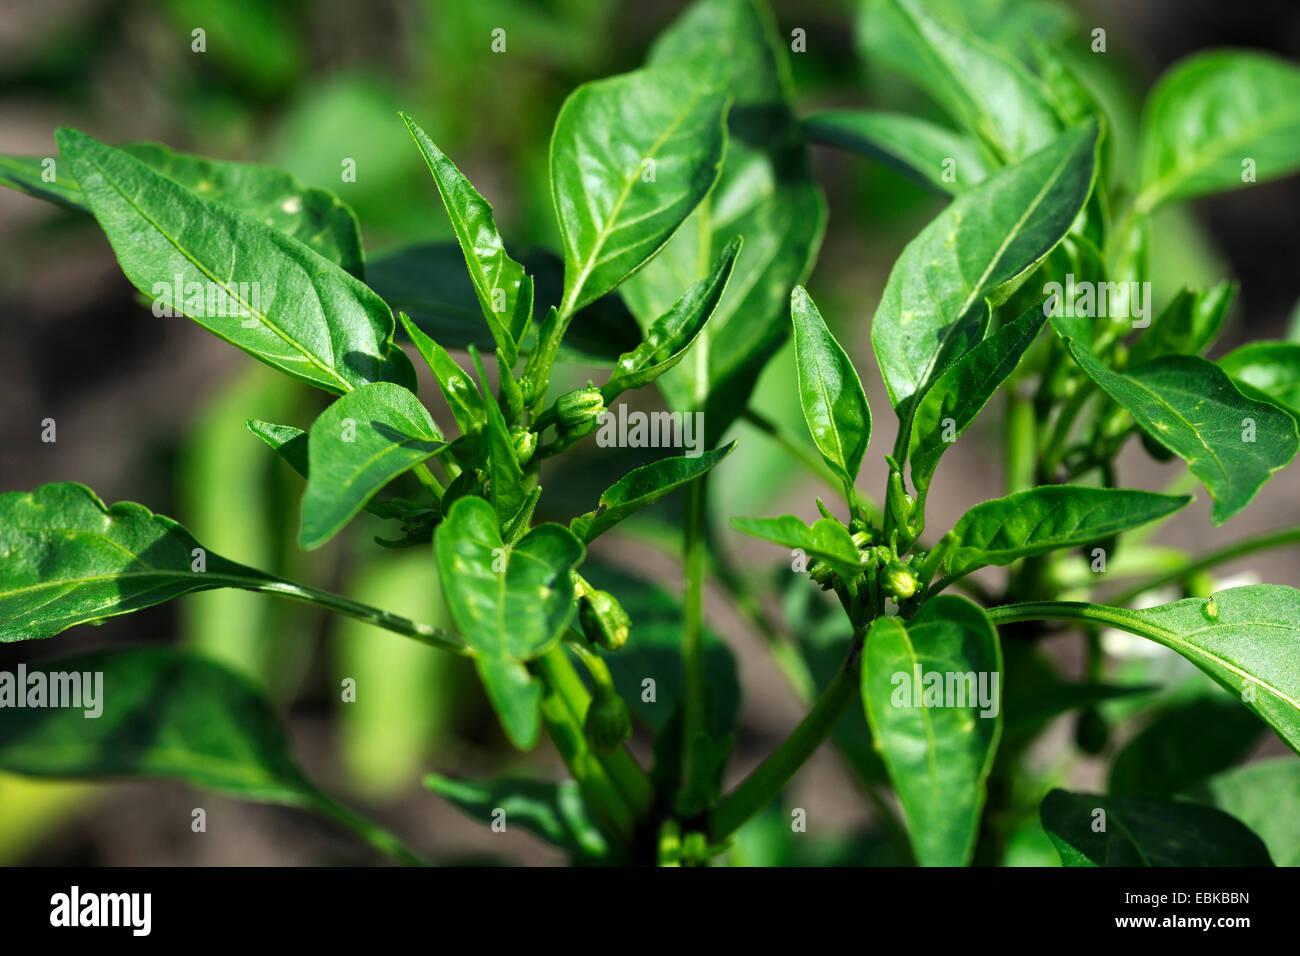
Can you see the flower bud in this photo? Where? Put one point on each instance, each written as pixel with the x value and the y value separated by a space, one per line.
pixel 525 443
pixel 580 407
pixel 603 619
pixel 608 723
pixel 898 581
pixel 822 573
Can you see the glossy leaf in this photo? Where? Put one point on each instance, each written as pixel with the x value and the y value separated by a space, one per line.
pixel 1187 326
pixel 938 738
pixel 306 316
pixel 66 559
pixel 315 217
pixel 1272 368
pixel 1182 745
pixel 825 539
pixel 669 337
pixel 766 194
pixel 1141 832
pixel 933 155
pixel 641 488
pixel 463 397
pixel 1247 639
pixel 355 447
pixel 830 393
pixel 985 89
pixel 1040 520
pixel 1210 116
pixel 948 407
pixel 165 713
pixel 932 310
pixel 504 290
pixel 553 811
pixel 1254 794
pixel 511 604
pixel 631 158
pixel 506 477
pixel 1188 405
pixel 287 441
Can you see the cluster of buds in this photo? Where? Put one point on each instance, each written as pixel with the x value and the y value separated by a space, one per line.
pixel 897 580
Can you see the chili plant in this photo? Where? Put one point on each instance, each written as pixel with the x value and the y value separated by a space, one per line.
pixel 683 192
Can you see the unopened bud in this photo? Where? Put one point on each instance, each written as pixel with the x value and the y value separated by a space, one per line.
pixel 580 407
pixel 525 443
pixel 608 723
pixel 898 582
pixel 603 619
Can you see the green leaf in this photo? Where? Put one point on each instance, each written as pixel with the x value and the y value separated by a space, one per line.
pixel 1182 745
pixel 463 397
pixel 932 310
pixel 834 405
pixel 511 604
pixel 429 282
pixel 287 441
pixel 931 692
pixel 827 539
pixel 1247 639
pixel 1253 794
pixel 165 713
pixel 315 217
pixel 671 335
pixel 1271 368
pixel 642 487
pixel 505 292
pixel 766 194
pixel 306 316
pixel 506 489
pixel 985 89
pixel 355 447
pixel 66 559
pixel 631 158
pixel 947 408
pixel 1187 326
pixel 1188 405
pixel 1145 833
pixel 1040 520
pixel 553 811
pixel 1209 115
pixel 933 155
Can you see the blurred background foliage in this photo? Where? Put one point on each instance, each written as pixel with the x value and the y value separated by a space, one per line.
pixel 153 410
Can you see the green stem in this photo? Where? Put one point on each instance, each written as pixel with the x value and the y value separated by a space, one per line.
pixel 1022 444
pixel 1076 611
pixel 424 633
pixel 426 478
pixel 694 698
pixel 770 777
pixel 810 461
pixel 1274 539
pixel 379 838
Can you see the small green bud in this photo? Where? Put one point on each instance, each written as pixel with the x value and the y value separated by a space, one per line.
pixel 603 619
pixel 861 540
pixel 608 723
pixel 898 582
pixel 580 407
pixel 525 443
pixel 822 573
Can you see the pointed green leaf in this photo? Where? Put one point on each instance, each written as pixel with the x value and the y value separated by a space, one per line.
pixel 931 691
pixel 1253 794
pixel 671 335
pixel 516 696
pixel 948 407
pixel 553 811
pixel 631 158
pixel 315 217
pixel 642 487
pixel 506 489
pixel 933 155
pixel 1213 118
pixel 932 310
pixel 66 559
pixel 1188 405
pixel 463 397
pixel 1273 368
pixel 1187 326
pixel 505 292
pixel 306 316
pixel 287 441
pixel 1090 830
pixel 1045 519
pixel 825 539
pixel 766 194
pixel 982 87
pixel 355 447
pixel 834 405
pixel 165 713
